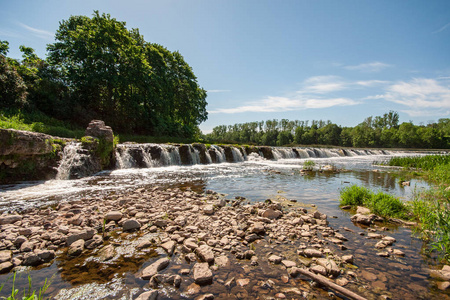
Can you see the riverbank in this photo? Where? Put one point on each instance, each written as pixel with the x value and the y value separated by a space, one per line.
pixel 182 244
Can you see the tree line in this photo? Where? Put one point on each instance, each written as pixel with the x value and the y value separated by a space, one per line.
pixel 380 131
pixel 99 69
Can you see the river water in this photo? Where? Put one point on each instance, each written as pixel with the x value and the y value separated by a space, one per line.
pixel 256 179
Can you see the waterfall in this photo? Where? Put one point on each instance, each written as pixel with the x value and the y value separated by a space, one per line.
pixel 237 155
pixel 70 158
pixel 220 153
pixel 195 155
pixel 170 156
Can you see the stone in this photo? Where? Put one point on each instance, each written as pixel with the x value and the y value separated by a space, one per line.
pixel 348 259
pixel 9 219
pixel 208 209
pixel 96 241
pixel 202 273
pixel 330 265
pixel 106 253
pixel 5 255
pixel 222 261
pixel 443 285
pixel 258 228
pixel 205 253
pixel 150 295
pixel 373 235
pixel 190 243
pixel 154 268
pixel 288 263
pixel 271 214
pixel 31 259
pixel 362 219
pixel 46 255
pixel 293 272
pixel 342 281
pixel 205 297
pixel 131 224
pixel 169 247
pixel 26 247
pixel 319 270
pixel 98 129
pixel 192 289
pixel 275 259
pixel 80 235
pixel 242 282
pixel 362 210
pixel 76 248
pixel 368 276
pixel 5 267
pixel 114 215
pixel 399 252
pixel 311 253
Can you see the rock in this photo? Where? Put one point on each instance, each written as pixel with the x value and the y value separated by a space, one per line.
pixel 98 129
pixel 275 259
pixel 76 248
pixel 106 253
pixel 369 276
pixel 5 255
pixel 443 285
pixel 288 263
pixel 363 219
pixel 80 235
pixel 5 267
pixel 190 244
pixel 150 295
pixel 46 255
pixel 20 240
pixel 399 252
pixel 311 253
pixel 208 209
pixel 154 268
pixel 205 253
pixel 202 273
pixel 242 282
pixel 342 281
pixel 205 297
pixel 348 259
pixel 131 224
pixel 26 247
pixel 113 216
pixel 9 219
pixel 372 235
pixel 441 275
pixel 258 228
pixel 31 259
pixel 222 261
pixel 96 241
pixel 271 214
pixel 329 265
pixel 362 210
pixel 169 247
pixel 319 270
pixel 293 272
pixel 252 237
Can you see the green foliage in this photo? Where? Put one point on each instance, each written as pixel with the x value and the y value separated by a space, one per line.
pixel 13 91
pixel 380 203
pixel 308 165
pixel 381 131
pixel 29 293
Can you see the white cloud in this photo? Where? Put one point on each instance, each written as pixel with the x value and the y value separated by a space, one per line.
pixel 371 83
pixel 426 113
pixel 323 84
pixel 38 32
pixel 442 28
pixel 422 96
pixel 280 104
pixel 375 66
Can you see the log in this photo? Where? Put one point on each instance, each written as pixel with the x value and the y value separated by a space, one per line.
pixel 325 282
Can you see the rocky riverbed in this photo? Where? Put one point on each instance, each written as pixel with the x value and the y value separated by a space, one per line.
pixel 179 244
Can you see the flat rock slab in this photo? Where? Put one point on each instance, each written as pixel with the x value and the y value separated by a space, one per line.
pixel 288 263
pixel 10 219
pixel 205 253
pixel 154 268
pixel 202 273
pixel 169 247
pixel 5 255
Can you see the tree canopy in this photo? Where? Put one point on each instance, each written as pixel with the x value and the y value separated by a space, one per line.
pixel 99 69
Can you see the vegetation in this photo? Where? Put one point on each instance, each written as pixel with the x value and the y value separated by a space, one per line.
pixel 381 131
pixel 99 69
pixel 380 203
pixel 28 294
pixel 432 207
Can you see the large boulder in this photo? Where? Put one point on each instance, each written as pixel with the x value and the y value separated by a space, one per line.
pixel 98 129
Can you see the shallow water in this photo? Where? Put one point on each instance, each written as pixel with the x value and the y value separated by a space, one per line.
pixel 256 180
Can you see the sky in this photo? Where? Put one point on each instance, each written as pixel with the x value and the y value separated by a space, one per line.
pixel 332 60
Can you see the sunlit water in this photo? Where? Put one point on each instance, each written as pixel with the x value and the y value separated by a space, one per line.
pixel 257 179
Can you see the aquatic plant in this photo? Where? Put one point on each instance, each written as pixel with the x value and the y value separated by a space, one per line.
pixel 28 294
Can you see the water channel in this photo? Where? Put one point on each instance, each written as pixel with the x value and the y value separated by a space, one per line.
pixel 256 179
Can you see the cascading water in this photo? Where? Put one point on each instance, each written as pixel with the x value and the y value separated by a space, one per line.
pixel 237 155
pixel 220 153
pixel 70 157
pixel 76 162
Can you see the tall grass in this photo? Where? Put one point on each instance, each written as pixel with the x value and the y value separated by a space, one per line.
pixel 29 293
pixel 431 208
pixel 380 203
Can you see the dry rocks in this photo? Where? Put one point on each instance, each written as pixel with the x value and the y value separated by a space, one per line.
pixel 155 267
pixel 202 273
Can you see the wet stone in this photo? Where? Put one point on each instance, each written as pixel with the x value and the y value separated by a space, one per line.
pixel 169 247
pixel 150 295
pixel 5 267
pixel 131 224
pixel 368 276
pixel 202 273
pixel 154 268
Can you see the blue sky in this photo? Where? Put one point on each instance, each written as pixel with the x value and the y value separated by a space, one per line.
pixel 301 60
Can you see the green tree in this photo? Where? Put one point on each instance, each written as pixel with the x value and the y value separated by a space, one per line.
pixel 13 91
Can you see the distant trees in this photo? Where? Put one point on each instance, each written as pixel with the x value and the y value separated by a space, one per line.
pixel 99 69
pixel 379 131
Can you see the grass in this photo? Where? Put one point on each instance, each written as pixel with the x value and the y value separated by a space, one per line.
pixel 27 294
pixel 381 204
pixel 38 122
